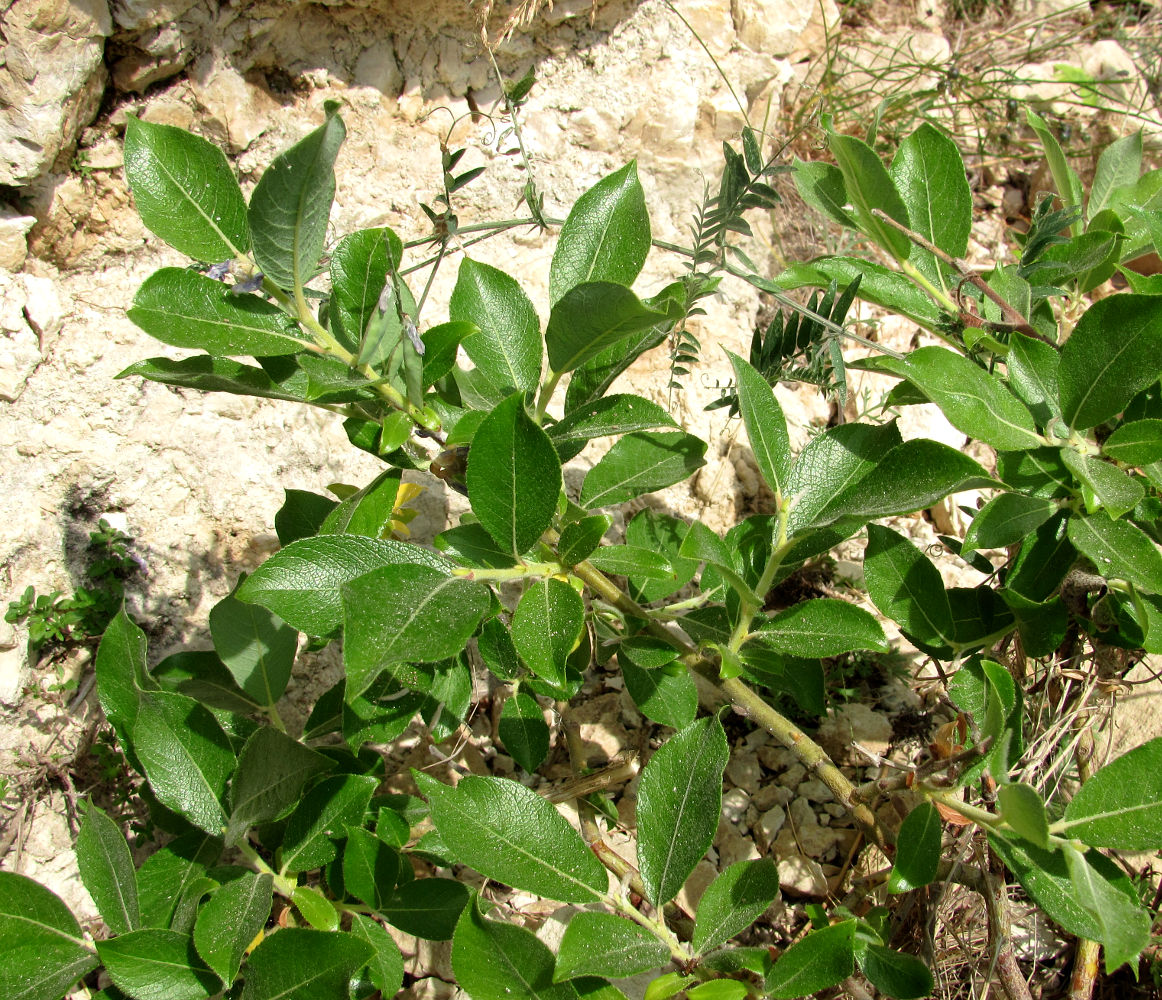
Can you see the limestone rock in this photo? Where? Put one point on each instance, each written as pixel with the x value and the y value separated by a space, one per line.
pixel 14 229
pixel 51 81
pixel 13 662
pixel 855 723
pixel 238 108
pixel 785 27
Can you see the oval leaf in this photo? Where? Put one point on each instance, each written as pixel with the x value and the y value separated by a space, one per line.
pixel 1121 806
pixel 821 959
pixel 735 900
pixel 1119 550
pixel 302 964
pixel 323 816
pixel 591 317
pixel 106 868
pixel 917 849
pixel 600 944
pixel 523 731
pixel 823 627
pixel 1005 520
pixel 157 965
pixel 230 919
pixel 257 647
pixel 766 427
pixel 642 463
pixel 906 587
pixel 501 961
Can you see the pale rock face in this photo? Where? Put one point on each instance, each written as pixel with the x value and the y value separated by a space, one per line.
pixel 14 229
pixel 239 108
pixel 784 28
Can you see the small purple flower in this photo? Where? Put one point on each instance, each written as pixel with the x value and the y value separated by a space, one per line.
pixel 219 271
pixel 251 284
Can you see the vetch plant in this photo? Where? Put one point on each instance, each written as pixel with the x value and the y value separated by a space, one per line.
pixel 287 863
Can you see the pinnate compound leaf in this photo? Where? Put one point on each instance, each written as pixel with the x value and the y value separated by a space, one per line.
pixel 185 191
pixel 230 919
pixel 592 317
pixel 257 647
pixel 766 427
pixel 893 973
pixel 406 613
pixel 157 965
pixel 106 868
pixel 1113 353
pixel 1005 520
pixel 642 463
pixel 821 959
pixel 1024 810
pixel 44 950
pixel 1119 550
pixel 291 204
pixel 186 309
pixel 906 587
pixel 523 731
pixel 427 908
pixel 601 944
pixel 301 583
pixel 679 801
pixel 302 964
pixel 507 349
pixel 385 970
pixel 917 849
pixel 1121 806
pixel 322 816
pixel 823 627
pixel 733 901
pixel 186 756
pixel 606 236
pixel 508 832
pixel 1125 926
pixel 618 414
pixel 514 477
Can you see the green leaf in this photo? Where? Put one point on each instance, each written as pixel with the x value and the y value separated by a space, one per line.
pixel 1005 520
pixel 973 401
pixel 157 965
pixel 601 944
pixel 1039 473
pixel 257 647
pixel 185 191
pixel 166 875
pixel 1024 810
pixel 122 674
pixel 315 908
pixel 1118 492
pixel 514 477
pixel 664 534
pixel 1043 561
pixel 580 538
pixel 591 317
pixel 1121 806
pixel 895 974
pixel 427 908
pixel 1118 166
pixel 302 964
pixel 630 560
pixel 186 756
pixel 822 627
pixel 733 901
pixel 820 185
pixel 509 833
pixel 291 204
pixel 666 697
pixel 906 587
pixel 1033 368
pixel 230 920
pixel 718 989
pixel 619 414
pixel 592 380
pixel 917 850
pixel 44 950
pixel 642 463
pixel 507 350
pixel 1125 926
pixel 1113 353
pixel 385 970
pixel 928 172
pixel 186 309
pixel 523 731
pixel 666 986
pixel 766 427
pixel 325 812
pixel 273 769
pixel 207 374
pixel 869 186
pixel 822 959
pixel 1138 443
pixel 1119 550
pixel 606 236
pixel 302 582
pixel 470 545
pixel 878 284
pixel 360 263
pixel 497 650
pixel 501 961
pixel 1065 179
pixel 406 613
pixel 106 868
pixel 679 801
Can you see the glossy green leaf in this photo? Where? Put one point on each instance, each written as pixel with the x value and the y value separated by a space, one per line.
pixel 360 263
pixel 733 901
pixel 642 463
pixel 523 731
pixel 297 963
pixel 1116 491
pixel 679 801
pixel 601 944
pixel 1121 805
pixel 496 649
pixel 822 627
pixel 1005 520
pixel 881 285
pixel 718 989
pixel 647 651
pixel 820 185
pixel 106 868
pixel 1118 166
pixel 580 538
pixel 321 817
pixel 593 379
pixel 186 309
pixel 291 204
pixel 157 965
pixel 514 477
pixel 301 515
pixel 1125 925
pixel 893 973
pixel 618 414
pixel 406 614
pixel 470 545
pixel 606 236
pixel 822 959
pixel 507 350
pixel 494 960
pixel 766 427
pixel 1024 810
pixel 1042 624
pixel 207 374
pixel 917 849
pixel 273 769
pixel 1039 473
pixel 1119 550
pixel 665 986
pixel 906 587
pixel 1033 368
pixel 591 317
pixel 186 756
pixel 869 186
pixel 367 511
pixel 1137 443
pixel 665 697
pixel 230 920
pixel 370 867
pixel 1043 560
pixel 929 175
pixel 1065 178
pixel 631 560
pixel 427 908
pixel 385 970
pixel 44 950
pixel 318 911
pixel 664 534
pixel 185 191
pixel 546 627
pixel 167 873
pixel 509 833
pixel 1113 353
pixel 257 647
